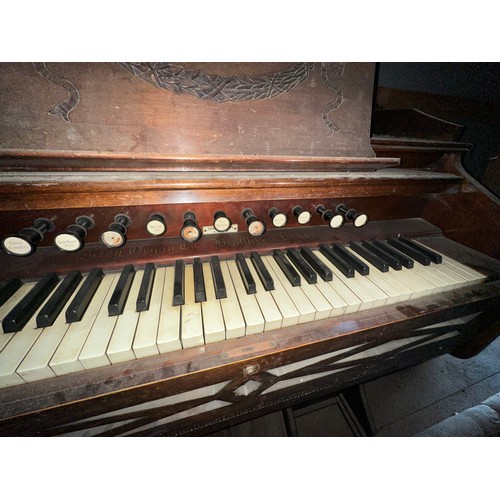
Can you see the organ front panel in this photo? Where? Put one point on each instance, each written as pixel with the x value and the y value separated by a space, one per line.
pixel 254 250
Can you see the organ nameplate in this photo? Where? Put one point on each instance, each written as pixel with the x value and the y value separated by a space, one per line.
pixel 212 230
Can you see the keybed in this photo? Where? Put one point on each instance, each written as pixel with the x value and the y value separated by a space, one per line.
pixel 113 317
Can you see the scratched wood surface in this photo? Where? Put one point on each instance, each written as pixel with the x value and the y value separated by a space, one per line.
pixel 115 111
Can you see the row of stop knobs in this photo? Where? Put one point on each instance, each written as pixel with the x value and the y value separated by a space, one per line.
pixel 73 238
pixel 334 217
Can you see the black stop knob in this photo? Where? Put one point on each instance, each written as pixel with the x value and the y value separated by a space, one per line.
pixel 73 239
pixel 25 242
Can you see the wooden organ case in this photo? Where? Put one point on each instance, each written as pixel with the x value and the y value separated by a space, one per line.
pixel 186 173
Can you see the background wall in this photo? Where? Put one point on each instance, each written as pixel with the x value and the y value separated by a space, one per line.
pixel 461 79
pixel 464 93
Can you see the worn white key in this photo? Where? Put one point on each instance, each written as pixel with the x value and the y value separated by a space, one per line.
pixel 368 300
pixel 65 359
pixel 427 272
pixel 469 270
pixel 316 298
pixel 419 285
pixel 233 317
pixel 93 353
pixel 8 306
pixel 450 279
pixel 15 351
pixel 35 366
pixel 385 282
pixel 464 277
pixel 268 307
pixel 353 302
pixel 213 319
pixel 404 282
pixel 254 319
pixel 288 309
pixel 169 328
pixel 338 304
pixel 307 311
pixel 472 276
pixel 120 344
pixel 455 277
pixel 147 327
pixel 191 317
pixel 380 297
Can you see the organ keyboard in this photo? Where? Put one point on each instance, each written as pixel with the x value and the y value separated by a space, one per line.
pixel 100 338
pixel 152 294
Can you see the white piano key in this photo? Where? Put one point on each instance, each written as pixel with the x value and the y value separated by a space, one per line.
pixel 418 284
pixel 338 304
pixel 93 353
pixel 467 272
pixel 16 350
pixel 169 328
pixel 270 311
pixel 368 300
pixel 8 306
pixel 462 275
pixel 381 298
pixel 303 305
pixel 428 273
pixel 318 301
pixel 396 292
pixel 191 317
pixel 254 319
pixel 120 344
pixel 449 278
pixel 470 276
pixel 65 359
pixel 289 313
pixel 35 365
pixel 144 344
pixel 456 277
pixel 233 317
pixel 479 277
pixel 403 283
pixel 213 319
pixel 353 302
pixel 379 295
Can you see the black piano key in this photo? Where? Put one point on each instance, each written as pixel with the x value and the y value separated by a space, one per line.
pixel 324 272
pixel 178 283
pixel 121 291
pixel 344 267
pixel 288 270
pixel 262 271
pixel 146 288
pixel 349 257
pixel 434 256
pixel 410 251
pixel 303 267
pixel 391 261
pixel 246 275
pixel 50 311
pixel 404 259
pixel 8 288
pixel 22 312
pixel 219 284
pixel 80 303
pixel 373 259
pixel 199 282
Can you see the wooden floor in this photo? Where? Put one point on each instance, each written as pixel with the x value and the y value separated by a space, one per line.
pixel 397 405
